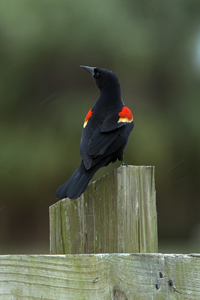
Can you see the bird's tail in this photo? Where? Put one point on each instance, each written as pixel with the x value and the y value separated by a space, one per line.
pixel 77 183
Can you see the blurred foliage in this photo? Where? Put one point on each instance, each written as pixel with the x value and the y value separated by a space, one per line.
pixel 154 49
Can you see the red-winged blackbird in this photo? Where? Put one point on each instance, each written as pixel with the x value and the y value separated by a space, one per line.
pixel 105 133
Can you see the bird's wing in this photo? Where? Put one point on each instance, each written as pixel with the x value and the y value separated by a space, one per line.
pixel 114 121
pixel 98 143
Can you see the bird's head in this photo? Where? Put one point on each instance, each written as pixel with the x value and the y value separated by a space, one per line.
pixel 103 78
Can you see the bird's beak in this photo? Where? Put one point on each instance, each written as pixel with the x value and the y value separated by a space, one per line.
pixel 89 69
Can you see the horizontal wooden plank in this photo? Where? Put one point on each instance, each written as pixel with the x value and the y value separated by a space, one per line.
pixel 100 276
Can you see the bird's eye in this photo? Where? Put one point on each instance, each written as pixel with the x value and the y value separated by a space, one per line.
pixel 96 74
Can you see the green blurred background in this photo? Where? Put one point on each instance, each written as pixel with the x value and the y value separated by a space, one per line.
pixel 154 48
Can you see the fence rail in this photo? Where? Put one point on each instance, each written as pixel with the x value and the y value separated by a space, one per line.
pixel 100 276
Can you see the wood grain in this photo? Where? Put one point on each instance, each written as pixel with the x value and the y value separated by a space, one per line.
pixel 100 277
pixel 116 214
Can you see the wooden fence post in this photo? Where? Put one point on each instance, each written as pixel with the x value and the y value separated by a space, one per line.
pixel 116 214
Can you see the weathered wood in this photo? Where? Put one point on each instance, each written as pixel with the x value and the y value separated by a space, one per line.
pixel 116 214
pixel 100 277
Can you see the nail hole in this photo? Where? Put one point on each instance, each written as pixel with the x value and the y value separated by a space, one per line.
pixel 95 280
pixel 157 285
pixel 171 282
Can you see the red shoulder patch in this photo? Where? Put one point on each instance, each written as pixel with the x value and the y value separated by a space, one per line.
pixel 125 115
pixel 87 117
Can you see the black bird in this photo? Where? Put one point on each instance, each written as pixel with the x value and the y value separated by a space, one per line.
pixel 105 133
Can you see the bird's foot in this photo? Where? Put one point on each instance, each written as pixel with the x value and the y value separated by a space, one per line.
pixel 124 164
